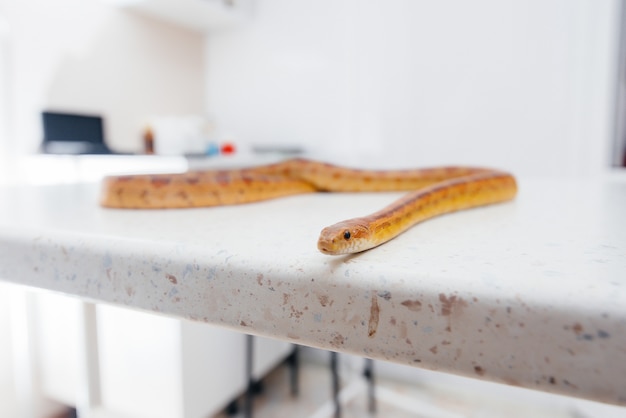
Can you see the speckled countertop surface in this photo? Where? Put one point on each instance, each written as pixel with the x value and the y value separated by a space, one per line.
pixel 529 293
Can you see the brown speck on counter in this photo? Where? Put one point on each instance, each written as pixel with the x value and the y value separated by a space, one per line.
pixel 323 299
pixel 512 382
pixel 479 370
pixel 578 329
pixel 372 325
pixel 433 349
pixel 450 304
pixel 243 324
pixel 171 278
pixel 295 313
pixel 130 291
pixel 412 305
pixel 259 279
pixel 337 340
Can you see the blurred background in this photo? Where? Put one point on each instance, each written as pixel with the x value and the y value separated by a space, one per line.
pixel 531 86
pixel 535 87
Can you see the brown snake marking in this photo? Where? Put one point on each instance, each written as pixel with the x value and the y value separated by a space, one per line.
pixel 434 191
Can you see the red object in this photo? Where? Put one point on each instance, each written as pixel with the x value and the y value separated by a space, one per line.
pixel 228 148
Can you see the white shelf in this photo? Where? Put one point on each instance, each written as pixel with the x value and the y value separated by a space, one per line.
pixel 199 15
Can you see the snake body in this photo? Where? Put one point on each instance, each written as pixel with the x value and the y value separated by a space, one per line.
pixel 434 191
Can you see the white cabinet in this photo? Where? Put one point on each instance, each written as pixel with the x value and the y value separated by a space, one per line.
pixel 148 366
pixel 58 334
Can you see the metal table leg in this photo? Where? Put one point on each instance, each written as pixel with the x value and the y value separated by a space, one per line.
pixel 368 372
pixel 335 377
pixel 249 400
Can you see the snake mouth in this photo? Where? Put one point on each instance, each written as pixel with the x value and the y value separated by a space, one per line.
pixel 326 246
pixel 323 246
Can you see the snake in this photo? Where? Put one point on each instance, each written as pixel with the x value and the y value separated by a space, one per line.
pixel 431 192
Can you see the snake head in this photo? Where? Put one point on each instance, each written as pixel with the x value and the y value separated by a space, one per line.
pixel 345 238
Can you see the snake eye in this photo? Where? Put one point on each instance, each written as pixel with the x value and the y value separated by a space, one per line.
pixel 346 235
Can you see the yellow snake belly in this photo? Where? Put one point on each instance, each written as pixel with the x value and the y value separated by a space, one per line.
pixel 434 191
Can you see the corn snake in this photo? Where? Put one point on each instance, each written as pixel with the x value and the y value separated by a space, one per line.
pixel 433 191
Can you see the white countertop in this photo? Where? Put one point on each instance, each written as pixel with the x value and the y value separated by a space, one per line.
pixel 529 293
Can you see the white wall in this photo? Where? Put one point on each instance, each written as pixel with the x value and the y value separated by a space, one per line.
pixel 8 395
pixel 88 56
pixel 525 85
pixel 4 87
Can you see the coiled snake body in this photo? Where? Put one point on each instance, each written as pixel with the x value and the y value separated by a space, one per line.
pixel 434 191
